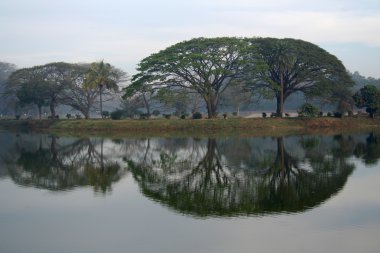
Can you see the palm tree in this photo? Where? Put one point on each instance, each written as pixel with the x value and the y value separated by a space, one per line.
pixel 102 76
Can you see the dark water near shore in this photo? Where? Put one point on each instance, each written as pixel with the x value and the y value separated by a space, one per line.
pixel 285 194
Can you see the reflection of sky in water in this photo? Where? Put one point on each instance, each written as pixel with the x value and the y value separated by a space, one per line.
pixel 38 220
pixel 125 220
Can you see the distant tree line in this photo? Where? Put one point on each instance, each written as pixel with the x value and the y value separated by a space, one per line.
pixel 196 75
pixel 74 85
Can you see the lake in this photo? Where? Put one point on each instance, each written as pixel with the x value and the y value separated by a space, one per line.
pixel 309 193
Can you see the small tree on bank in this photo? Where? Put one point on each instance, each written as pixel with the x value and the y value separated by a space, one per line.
pixel 368 97
pixel 33 92
pixel 308 110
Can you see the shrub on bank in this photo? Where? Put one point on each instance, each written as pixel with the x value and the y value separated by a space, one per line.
pixel 308 110
pixel 117 115
pixel 156 113
pixel 197 115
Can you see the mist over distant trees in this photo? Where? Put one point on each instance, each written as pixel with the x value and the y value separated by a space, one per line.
pixel 361 81
pixel 55 84
pixel 211 75
pixel 6 100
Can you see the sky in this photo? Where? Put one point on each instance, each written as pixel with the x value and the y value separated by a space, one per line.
pixel 123 32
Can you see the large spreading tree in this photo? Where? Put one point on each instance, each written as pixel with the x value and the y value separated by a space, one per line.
pixel 297 66
pixel 204 65
pixel 77 94
pixel 52 78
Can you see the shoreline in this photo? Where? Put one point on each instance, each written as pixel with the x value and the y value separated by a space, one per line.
pixel 206 127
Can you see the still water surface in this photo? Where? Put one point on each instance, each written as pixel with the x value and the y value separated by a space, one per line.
pixel 285 194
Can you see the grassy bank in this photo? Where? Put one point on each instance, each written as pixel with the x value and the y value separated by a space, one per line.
pixel 241 126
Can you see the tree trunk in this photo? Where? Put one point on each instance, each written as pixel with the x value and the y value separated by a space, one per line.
pixel 52 109
pixel 53 148
pixel 101 100
pixel 86 114
pixel 282 95
pixel 147 106
pixel 280 105
pixel 39 111
pixel 281 153
pixel 211 107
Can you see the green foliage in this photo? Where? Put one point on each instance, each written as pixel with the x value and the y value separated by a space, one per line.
pixel 52 80
pixel 167 116
pixel 174 98
pixel 308 110
pixel 105 114
pixel 34 92
pixel 131 107
pixel 369 97
pixel 103 76
pixel 202 65
pixel 197 115
pixel 236 95
pixel 156 113
pixel 117 114
pixel 299 66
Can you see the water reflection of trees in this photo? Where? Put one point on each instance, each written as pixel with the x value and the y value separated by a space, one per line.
pixel 201 177
pixel 265 178
pixel 61 165
pixel 369 150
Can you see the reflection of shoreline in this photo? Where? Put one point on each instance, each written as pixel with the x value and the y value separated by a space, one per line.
pixel 198 177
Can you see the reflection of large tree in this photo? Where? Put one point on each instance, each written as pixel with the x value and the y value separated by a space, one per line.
pixel 64 166
pixel 212 185
pixel 369 150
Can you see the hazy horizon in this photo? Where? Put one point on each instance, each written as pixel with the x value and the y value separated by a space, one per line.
pixel 37 32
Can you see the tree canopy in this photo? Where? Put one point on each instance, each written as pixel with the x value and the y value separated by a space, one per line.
pixel 53 78
pixel 34 92
pixel 369 97
pixel 204 65
pixel 103 76
pixel 297 66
